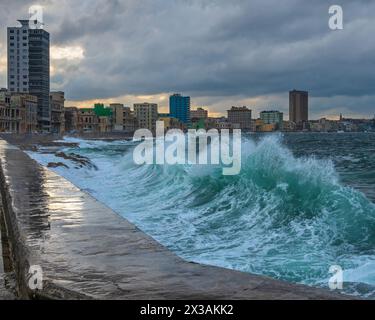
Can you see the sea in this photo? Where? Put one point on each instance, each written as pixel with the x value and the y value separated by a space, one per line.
pixel 302 203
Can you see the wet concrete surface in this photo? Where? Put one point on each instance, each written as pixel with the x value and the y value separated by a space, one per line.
pixel 5 290
pixel 84 247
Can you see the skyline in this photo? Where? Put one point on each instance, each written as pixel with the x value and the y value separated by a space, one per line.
pixel 204 61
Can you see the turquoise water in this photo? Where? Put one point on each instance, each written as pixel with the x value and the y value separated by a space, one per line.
pixel 302 203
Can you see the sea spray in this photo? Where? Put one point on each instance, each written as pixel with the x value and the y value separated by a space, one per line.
pixel 284 216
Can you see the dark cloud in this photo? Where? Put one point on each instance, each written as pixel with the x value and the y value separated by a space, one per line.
pixel 213 49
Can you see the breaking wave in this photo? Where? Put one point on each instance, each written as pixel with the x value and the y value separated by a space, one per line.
pixel 282 216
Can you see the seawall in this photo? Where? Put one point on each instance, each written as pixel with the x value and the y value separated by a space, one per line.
pixel 87 251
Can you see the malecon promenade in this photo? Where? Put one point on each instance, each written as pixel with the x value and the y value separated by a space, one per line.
pixel 87 251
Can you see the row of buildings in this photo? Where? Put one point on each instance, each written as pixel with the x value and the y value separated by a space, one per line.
pixel 28 105
pixel 19 114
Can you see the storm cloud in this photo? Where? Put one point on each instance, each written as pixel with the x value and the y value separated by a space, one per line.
pixel 222 53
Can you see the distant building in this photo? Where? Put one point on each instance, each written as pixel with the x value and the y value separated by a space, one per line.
pixel 179 108
pixel 198 114
pixel 87 120
pixel 117 116
pixel 57 100
pixel 273 117
pixel 298 106
pixel 71 119
pixel 240 116
pixel 29 67
pixel 129 120
pixel 104 124
pixel 171 123
pixel 147 115
pixel 289 126
pixel 104 115
pixel 18 112
pixel 123 119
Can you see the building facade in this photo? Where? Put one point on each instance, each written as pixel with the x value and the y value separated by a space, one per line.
pixel 117 116
pixel 18 112
pixel 71 119
pixel 87 120
pixel 179 108
pixel 57 101
pixel 240 116
pixel 29 67
pixel 129 120
pixel 147 115
pixel 198 114
pixel 298 106
pixel 273 117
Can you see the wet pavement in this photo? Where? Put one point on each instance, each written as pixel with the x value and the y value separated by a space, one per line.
pixel 86 250
pixel 5 293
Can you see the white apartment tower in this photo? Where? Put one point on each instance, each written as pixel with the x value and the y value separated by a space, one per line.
pixel 28 67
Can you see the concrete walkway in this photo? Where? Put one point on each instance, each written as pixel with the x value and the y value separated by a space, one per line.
pixel 5 294
pixel 87 250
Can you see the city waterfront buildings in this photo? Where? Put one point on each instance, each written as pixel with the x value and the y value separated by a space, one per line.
pixel 240 116
pixel 171 123
pixel 179 108
pixel 18 112
pixel 198 114
pixel 87 120
pixel 29 67
pixel 57 101
pixel 129 120
pixel 123 119
pixel 71 119
pixel 273 117
pixel 298 106
pixel 147 115
pixel 117 116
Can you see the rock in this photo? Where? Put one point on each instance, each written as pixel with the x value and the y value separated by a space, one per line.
pixel 57 164
pixel 77 159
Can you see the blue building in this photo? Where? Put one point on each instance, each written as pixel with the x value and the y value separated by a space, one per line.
pixel 179 108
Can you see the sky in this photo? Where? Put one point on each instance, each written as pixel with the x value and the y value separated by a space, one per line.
pixel 219 52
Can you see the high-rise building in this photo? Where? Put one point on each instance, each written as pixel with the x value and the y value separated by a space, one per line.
pixel 179 108
pixel 273 117
pixel 240 116
pixel 147 115
pixel 298 106
pixel 28 67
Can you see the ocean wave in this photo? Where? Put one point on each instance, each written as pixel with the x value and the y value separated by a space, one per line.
pixel 282 216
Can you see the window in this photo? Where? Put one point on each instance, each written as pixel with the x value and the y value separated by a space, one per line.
pixel 25 83
pixel 24 31
pixel 11 38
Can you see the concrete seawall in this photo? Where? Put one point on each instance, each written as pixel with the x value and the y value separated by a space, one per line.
pixel 88 251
